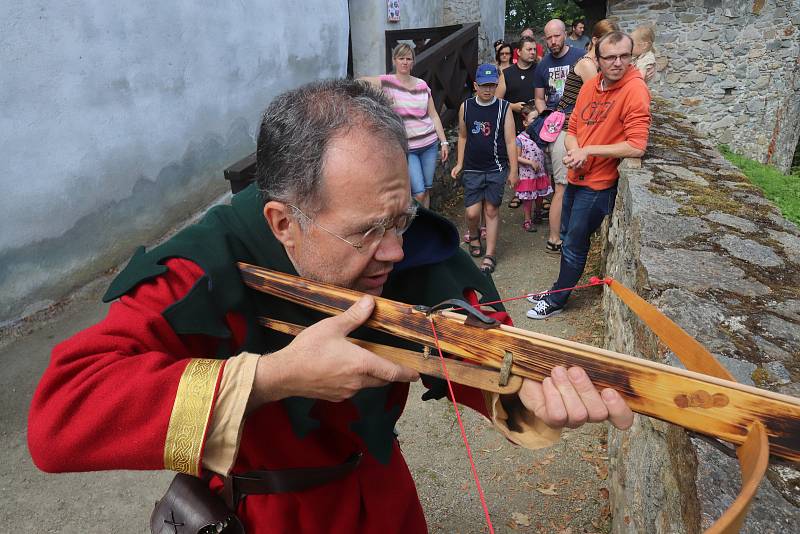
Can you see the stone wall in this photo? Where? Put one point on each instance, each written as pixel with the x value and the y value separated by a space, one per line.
pixel 731 66
pixel 692 235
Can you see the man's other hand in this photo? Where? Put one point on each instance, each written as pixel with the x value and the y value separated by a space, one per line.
pixel 567 398
pixel 575 158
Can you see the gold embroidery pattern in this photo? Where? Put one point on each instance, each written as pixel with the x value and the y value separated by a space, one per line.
pixel 190 416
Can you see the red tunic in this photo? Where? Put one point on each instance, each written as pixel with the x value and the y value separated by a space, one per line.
pixel 106 400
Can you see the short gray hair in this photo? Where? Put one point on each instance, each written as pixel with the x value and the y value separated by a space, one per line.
pixel 298 126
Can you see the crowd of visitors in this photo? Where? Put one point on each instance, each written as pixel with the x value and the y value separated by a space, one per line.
pixel 521 128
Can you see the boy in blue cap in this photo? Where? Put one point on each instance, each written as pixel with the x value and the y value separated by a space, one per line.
pixel 486 139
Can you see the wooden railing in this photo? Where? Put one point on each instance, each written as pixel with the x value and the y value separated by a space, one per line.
pixel 447 63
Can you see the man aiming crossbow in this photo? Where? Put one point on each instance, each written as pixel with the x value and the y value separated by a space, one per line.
pixel 180 375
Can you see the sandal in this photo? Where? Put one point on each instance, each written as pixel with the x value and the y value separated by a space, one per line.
pixel 528 226
pixel 483 232
pixel 489 264
pixel 514 203
pixel 552 248
pixel 476 251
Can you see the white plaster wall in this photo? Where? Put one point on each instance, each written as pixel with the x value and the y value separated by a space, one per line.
pixel 490 13
pixel 117 118
pixel 369 21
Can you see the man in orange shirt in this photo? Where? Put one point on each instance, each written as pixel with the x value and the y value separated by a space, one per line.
pixel 611 121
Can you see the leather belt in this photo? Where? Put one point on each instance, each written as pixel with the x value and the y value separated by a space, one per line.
pixel 284 480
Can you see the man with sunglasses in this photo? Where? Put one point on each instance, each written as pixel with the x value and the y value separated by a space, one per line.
pixel 296 433
pixel 610 121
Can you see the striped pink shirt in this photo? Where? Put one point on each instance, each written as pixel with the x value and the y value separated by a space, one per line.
pixel 412 106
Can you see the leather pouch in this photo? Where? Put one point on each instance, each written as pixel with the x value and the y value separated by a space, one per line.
pixel 190 507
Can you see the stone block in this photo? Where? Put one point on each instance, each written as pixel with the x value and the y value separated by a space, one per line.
pixel 777 373
pixel 774 44
pixel 695 77
pixel 666 18
pixel 724 122
pixel 666 37
pixel 789 242
pixel 699 317
pixel 786 333
pixel 749 33
pixel 790 309
pixel 710 35
pixel 702 271
pixel 750 251
pixel 668 230
pixel 732 221
pixel 761 83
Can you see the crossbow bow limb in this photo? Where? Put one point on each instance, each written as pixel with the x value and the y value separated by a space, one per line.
pixel 704 398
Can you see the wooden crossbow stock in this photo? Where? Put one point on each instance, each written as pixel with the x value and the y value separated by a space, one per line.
pixel 705 398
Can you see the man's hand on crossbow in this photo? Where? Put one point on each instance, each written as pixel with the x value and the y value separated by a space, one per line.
pixel 567 398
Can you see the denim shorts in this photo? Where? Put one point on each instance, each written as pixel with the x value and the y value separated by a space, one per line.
pixel 480 186
pixel 421 166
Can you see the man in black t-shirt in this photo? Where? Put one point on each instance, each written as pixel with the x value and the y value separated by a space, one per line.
pixel 516 82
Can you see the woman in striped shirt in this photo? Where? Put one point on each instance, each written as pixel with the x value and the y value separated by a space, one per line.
pixel 411 98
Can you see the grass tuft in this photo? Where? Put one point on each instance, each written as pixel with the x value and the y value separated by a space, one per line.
pixel 782 189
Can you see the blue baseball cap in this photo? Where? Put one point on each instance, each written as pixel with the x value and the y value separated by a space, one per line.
pixel 486 73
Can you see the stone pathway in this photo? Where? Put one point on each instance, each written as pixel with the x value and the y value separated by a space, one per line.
pixel 559 489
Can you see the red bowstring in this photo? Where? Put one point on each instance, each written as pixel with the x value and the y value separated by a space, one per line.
pixel 593 281
pixel 461 426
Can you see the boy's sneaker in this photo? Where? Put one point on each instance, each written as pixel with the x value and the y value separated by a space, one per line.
pixel 542 310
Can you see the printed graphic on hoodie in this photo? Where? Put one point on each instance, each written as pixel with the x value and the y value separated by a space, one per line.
pixel 596 112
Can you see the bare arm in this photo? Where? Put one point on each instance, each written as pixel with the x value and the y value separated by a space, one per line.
pixel 437 124
pixel 374 80
pixel 586 70
pixel 462 143
pixel 538 96
pixel 500 92
pixel 509 133
pixel 576 157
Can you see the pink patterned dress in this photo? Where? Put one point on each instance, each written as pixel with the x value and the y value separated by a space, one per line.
pixel 532 184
